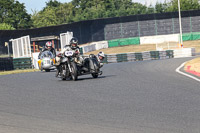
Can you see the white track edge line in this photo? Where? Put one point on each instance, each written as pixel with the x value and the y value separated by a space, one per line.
pixel 185 74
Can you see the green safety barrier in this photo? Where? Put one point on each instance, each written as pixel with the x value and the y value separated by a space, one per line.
pixel 154 55
pixel 124 42
pixel 22 63
pixel 196 36
pixel 191 36
pixel 121 57
pixel 129 41
pixel 187 36
pixel 113 43
pixel 138 56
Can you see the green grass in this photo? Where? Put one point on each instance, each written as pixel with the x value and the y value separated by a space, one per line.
pixel 4 55
pixel 17 71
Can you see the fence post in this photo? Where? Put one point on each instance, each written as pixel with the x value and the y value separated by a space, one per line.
pixel 139 28
pixel 155 25
pixel 190 24
pixel 173 24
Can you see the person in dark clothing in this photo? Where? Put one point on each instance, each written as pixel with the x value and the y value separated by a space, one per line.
pixel 48 47
pixel 73 46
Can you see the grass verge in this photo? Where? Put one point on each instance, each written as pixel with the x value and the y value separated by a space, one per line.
pixel 145 47
pixel 17 71
pixel 195 65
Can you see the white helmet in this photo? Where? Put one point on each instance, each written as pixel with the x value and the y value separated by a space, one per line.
pixel 48 45
pixel 101 54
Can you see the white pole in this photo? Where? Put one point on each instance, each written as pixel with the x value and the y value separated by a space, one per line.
pixel 181 40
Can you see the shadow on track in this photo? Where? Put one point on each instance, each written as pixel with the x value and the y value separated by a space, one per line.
pixel 89 78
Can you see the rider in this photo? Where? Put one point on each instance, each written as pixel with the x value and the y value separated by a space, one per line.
pixel 93 61
pixel 73 46
pixel 100 58
pixel 48 47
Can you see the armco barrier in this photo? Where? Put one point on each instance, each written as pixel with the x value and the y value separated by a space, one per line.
pixel 94 46
pixel 22 63
pixel 184 52
pixel 155 55
pixel 146 56
pixel 169 53
pixel 138 57
pixel 163 55
pixel 101 45
pixel 89 48
pixel 149 55
pixel 6 64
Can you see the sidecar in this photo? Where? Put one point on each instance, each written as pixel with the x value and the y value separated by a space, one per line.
pixel 46 61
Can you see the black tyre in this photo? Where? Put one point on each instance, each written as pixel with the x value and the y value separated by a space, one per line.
pixel 95 75
pixel 47 70
pixel 63 78
pixel 74 74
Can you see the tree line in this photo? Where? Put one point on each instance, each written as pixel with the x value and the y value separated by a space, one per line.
pixel 13 14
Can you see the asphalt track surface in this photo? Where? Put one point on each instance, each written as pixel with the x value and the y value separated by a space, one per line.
pixel 134 97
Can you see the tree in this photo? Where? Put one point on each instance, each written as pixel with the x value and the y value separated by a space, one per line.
pixel 65 13
pixel 77 10
pixel 14 13
pixel 161 7
pixel 137 8
pixel 53 3
pixel 45 18
pixel 4 26
pixel 185 5
pixel 150 10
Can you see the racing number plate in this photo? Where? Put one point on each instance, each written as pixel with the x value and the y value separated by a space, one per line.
pixel 68 53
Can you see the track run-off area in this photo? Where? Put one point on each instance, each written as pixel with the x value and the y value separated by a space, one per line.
pixel 132 97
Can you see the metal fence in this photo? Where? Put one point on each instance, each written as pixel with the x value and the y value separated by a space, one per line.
pixel 21 47
pixel 65 38
pixel 114 28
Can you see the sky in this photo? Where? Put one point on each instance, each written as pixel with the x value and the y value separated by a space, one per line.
pixel 32 5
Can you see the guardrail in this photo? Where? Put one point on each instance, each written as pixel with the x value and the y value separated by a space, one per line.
pixel 22 63
pixel 148 55
pixel 139 56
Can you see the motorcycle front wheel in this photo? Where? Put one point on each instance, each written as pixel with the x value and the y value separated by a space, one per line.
pixel 74 73
pixel 95 75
